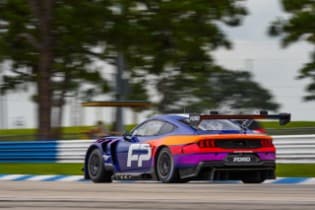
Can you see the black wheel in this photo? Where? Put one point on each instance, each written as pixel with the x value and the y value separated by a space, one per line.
pixel 165 169
pixel 256 178
pixel 96 168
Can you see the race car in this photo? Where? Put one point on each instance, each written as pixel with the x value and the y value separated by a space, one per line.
pixel 177 148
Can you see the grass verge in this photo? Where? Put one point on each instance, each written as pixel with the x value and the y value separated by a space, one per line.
pixel 296 170
pixel 283 170
pixel 29 134
pixel 293 124
pixel 41 168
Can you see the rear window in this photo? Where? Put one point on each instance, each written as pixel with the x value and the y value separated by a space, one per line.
pixel 218 125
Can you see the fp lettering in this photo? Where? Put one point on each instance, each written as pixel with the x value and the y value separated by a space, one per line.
pixel 143 149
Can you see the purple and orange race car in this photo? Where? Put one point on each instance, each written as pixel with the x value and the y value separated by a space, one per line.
pixel 181 147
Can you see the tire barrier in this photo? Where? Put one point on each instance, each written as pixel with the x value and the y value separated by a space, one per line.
pixel 41 151
pixel 295 148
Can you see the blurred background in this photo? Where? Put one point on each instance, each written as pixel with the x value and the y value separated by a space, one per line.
pixel 167 56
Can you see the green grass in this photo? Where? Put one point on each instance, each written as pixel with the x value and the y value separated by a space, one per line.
pixel 30 133
pixel 296 170
pixel 27 134
pixel 292 128
pixel 293 124
pixel 26 131
pixel 41 168
pixel 283 170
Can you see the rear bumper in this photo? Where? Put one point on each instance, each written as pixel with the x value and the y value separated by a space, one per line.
pixel 220 170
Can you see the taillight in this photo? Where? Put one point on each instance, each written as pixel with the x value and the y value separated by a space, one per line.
pixel 266 143
pixel 206 143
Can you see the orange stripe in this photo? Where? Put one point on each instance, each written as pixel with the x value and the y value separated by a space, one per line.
pixel 179 140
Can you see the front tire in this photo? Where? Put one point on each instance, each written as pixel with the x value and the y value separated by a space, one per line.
pixel 165 167
pixel 96 168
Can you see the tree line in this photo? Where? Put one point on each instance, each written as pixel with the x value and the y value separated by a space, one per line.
pixel 166 45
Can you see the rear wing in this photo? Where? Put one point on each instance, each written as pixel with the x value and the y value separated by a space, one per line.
pixel 283 118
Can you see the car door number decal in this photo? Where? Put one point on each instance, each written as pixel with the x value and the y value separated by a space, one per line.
pixel 139 153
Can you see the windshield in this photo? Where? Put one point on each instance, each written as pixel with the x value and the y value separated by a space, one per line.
pixel 208 125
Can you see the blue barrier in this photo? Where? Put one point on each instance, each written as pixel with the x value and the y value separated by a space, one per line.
pixel 290 149
pixel 19 152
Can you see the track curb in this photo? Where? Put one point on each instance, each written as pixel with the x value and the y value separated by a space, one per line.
pixel 80 178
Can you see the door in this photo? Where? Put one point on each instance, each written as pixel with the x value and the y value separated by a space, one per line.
pixel 134 154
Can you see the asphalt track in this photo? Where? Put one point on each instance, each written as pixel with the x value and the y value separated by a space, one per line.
pixel 141 195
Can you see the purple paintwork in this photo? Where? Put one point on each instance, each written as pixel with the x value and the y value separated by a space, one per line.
pixel 266 155
pixel 194 159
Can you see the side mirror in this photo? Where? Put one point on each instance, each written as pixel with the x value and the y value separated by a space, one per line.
pixel 128 137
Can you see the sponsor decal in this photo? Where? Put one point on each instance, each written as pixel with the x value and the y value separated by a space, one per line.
pixel 138 153
pixel 241 159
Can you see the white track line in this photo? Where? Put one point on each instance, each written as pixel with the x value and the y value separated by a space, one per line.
pixel 12 177
pixel 71 179
pixel 40 177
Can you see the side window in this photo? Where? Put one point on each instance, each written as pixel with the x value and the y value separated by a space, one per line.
pixel 150 128
pixel 166 128
pixel 139 131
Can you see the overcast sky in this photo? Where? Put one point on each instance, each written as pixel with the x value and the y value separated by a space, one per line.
pixel 273 67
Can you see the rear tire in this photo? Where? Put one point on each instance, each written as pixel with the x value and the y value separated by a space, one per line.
pixel 255 178
pixel 96 168
pixel 165 167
